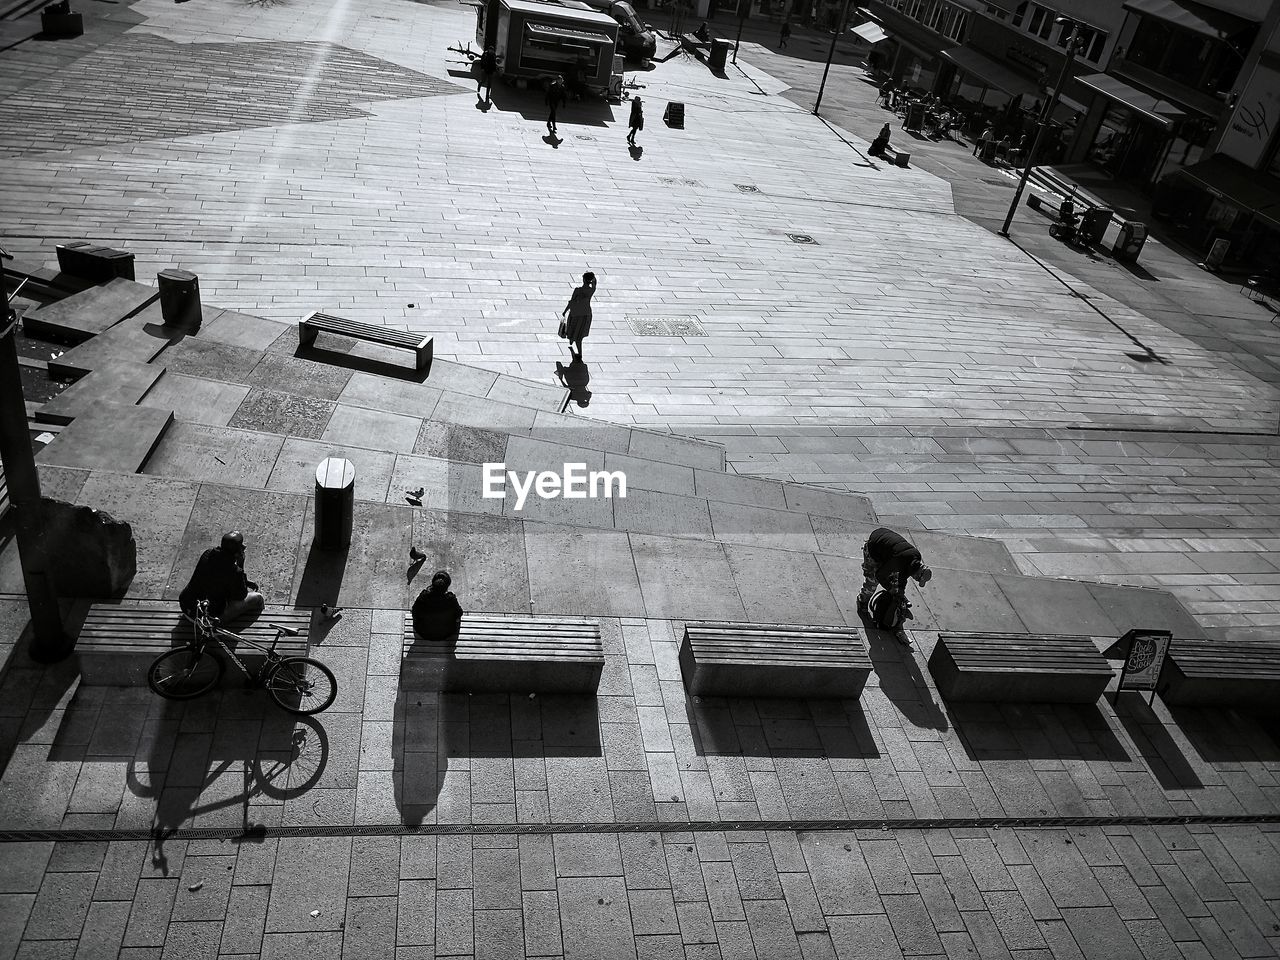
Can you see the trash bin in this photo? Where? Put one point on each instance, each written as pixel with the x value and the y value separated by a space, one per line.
pixel 179 298
pixel 335 503
pixel 1093 224
pixel 719 55
pixel 1128 245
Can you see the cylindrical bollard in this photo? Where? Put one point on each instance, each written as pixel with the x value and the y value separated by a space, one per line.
pixel 180 299
pixel 335 503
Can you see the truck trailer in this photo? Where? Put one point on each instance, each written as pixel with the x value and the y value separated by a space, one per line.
pixel 535 40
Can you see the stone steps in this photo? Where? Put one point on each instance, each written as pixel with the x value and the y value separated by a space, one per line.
pixel 109 436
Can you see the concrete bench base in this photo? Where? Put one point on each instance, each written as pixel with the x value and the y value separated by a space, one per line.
pixel 1018 667
pixel 507 654
pixel 1241 675
pixel 773 660
pixel 119 641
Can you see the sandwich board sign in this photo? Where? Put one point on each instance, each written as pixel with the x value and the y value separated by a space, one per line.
pixel 1144 653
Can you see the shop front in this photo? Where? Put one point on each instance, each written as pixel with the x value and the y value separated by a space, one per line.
pixel 1221 199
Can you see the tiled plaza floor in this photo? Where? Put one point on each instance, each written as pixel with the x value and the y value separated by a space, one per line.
pixel 313 155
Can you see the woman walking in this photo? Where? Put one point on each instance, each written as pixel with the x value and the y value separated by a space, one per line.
pixel 578 311
pixel 636 122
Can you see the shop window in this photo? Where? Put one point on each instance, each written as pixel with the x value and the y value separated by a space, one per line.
pixel 1196 61
pixel 1090 41
pixel 1020 14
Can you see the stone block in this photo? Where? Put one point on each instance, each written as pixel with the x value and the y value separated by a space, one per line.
pixel 92 554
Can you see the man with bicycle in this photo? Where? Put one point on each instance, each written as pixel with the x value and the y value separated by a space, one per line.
pixel 220 579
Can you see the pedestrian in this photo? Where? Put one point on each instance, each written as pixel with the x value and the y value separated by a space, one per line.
pixel 881 141
pixel 219 578
pixel 636 123
pixel 437 614
pixel 488 67
pixel 886 94
pixel 888 561
pixel 578 312
pixel 555 98
pixel 987 134
pixel 785 34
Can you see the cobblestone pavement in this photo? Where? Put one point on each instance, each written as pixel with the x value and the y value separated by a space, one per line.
pixel 317 155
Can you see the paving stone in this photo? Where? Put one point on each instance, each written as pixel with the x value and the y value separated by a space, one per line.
pixel 840 877
pixel 455 928
pixel 643 863
pixel 868 934
pixel 595 918
pixel 22 870
pixel 653 912
pixel 310 874
pixel 416 913
pixel 245 919
pixel 149 916
pixel 696 924
pixel 1098 928
pixel 61 906
pixel 103 930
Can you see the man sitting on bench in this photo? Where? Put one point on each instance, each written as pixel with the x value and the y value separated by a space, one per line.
pixel 219 578
pixel 888 560
pixel 437 614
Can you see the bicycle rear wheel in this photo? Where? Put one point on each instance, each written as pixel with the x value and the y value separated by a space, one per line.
pixel 302 685
pixel 184 673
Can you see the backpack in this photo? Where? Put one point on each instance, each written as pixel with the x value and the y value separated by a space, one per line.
pixel 888 610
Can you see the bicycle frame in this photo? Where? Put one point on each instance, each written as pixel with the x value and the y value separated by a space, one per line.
pixel 206 631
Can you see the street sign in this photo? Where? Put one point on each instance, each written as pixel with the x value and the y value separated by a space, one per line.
pixel 1145 660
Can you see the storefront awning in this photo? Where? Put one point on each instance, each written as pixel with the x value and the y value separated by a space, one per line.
pixel 992 73
pixel 542 31
pixel 1161 111
pixel 1190 16
pixel 1241 186
pixel 871 32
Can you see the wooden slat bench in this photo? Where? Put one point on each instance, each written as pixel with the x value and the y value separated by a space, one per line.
pixel 515 653
pixel 1016 666
pixel 119 641
pixel 773 660
pixel 1201 673
pixel 317 323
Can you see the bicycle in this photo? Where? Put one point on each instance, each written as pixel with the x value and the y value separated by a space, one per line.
pixel 297 684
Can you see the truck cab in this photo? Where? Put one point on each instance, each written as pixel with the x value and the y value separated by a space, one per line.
pixel 635 39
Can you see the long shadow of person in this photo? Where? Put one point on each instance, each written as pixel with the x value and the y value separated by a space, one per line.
pixel 636 151
pixel 575 378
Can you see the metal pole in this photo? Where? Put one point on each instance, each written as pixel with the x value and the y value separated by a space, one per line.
pixel 742 17
pixel 49 640
pixel 1040 129
pixel 844 15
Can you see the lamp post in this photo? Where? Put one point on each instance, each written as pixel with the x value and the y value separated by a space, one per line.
pixel 844 16
pixel 742 18
pixel 49 641
pixel 1043 124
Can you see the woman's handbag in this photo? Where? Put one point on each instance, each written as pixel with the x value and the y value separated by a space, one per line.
pixel 564 331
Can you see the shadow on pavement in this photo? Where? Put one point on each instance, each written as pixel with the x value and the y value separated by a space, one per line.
pixel 1163 755
pixel 1040 731
pixel 902 682
pixel 1227 736
pixel 751 727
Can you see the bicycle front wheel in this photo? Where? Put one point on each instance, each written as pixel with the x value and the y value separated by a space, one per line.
pixel 184 673
pixel 302 685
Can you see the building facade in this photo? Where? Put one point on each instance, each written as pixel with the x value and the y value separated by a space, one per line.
pixel 1178 98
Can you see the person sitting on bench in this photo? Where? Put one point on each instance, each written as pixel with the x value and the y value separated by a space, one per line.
pixel 703 33
pixel 219 578
pixel 437 614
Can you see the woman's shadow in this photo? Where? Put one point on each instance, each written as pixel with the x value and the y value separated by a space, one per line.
pixel 575 378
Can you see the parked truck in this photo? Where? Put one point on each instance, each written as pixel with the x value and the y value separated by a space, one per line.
pixel 637 40
pixel 537 39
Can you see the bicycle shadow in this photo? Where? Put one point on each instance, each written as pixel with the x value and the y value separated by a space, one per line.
pixel 226 761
